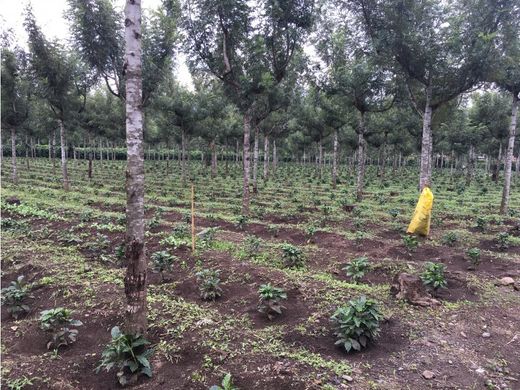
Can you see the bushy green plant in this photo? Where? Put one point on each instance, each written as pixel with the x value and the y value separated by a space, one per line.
pixel 207 236
pixel 162 261
pixel 270 300
pixel 241 222
pixel 292 256
pixel 481 223
pixel 357 268
pixel 433 276
pixel 180 230
pixel 273 229
pixel 410 242
pixel 226 384
pixel 474 257
pixel 393 213
pixel 58 323
pixel 450 238
pixel 14 297
pixel 209 284
pixel 503 241
pixel 129 354
pixel 357 323
pixel 252 246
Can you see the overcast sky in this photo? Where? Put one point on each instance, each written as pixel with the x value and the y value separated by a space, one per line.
pixel 49 16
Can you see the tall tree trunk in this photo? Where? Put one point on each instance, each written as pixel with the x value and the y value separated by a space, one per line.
pixel 183 155
pixel 266 157
pixel 255 162
pixel 275 157
pixel 245 193
pixel 470 174
pixel 135 279
pixel 14 174
pixel 213 159
pixel 54 152
pixel 509 155
pixel 320 163
pixel 63 144
pixel 335 160
pixel 498 163
pixel 361 158
pixel 426 144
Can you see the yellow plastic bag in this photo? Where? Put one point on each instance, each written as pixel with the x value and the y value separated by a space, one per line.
pixel 420 223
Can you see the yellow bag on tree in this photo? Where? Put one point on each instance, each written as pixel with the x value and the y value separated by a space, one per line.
pixel 420 223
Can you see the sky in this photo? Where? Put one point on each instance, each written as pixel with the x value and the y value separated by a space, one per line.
pixel 49 15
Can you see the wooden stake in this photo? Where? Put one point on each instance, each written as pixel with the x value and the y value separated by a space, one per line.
pixel 192 218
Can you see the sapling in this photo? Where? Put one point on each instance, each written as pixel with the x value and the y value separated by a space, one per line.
pixel 474 257
pixel 433 276
pixel 209 284
pixel 270 300
pixel 58 322
pixel 357 268
pixel 14 297
pixel 162 261
pixel 292 256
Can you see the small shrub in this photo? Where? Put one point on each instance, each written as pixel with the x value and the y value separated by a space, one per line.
pixel 252 246
pixel 311 230
pixel 357 268
pixel 433 276
pixel 357 323
pixel 474 257
pixel 180 230
pixel 450 238
pixel 227 384
pixel 57 322
pixel 274 230
pixel 292 256
pixel 14 296
pixel 207 236
pixel 162 261
pixel 393 213
pixel 241 222
pixel 503 241
pixel 270 300
pixel 209 284
pixel 410 242
pixel 129 354
pixel 481 223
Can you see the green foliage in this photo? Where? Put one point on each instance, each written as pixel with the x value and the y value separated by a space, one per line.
pixel 162 261
pixel 450 238
pixel 357 268
pixel 357 323
pixel 270 300
pixel 227 384
pixel 209 284
pixel 57 322
pixel 503 241
pixel 252 246
pixel 18 383
pixel 433 276
pixel 14 296
pixel 241 222
pixel 129 354
pixel 410 242
pixel 474 257
pixel 292 256
pixel 481 223
pixel 207 236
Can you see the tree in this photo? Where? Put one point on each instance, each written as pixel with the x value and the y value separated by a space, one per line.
pixel 442 48
pixel 135 280
pixel 61 79
pixel 16 94
pixel 249 48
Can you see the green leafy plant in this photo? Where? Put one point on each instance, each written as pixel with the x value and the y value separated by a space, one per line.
pixel 252 246
pixel 357 323
pixel 14 297
pixel 393 213
pixel 162 261
pixel 129 354
pixel 180 230
pixel 481 223
pixel 450 238
pixel 274 230
pixel 292 256
pixel 357 268
pixel 503 241
pixel 226 384
pixel 410 242
pixel 433 276
pixel 58 323
pixel 209 284
pixel 270 300
pixel 474 257
pixel 207 236
pixel 241 222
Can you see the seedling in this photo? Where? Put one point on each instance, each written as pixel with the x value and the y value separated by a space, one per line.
pixel 129 354
pixel 14 297
pixel 227 384
pixel 474 257
pixel 162 261
pixel 270 300
pixel 357 268
pixel 433 276
pixel 58 322
pixel 292 256
pixel 503 241
pixel 410 242
pixel 209 284
pixel 357 323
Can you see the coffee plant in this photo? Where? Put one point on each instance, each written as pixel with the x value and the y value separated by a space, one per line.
pixel 292 256
pixel 14 297
pixel 58 323
pixel 503 241
pixel 162 261
pixel 357 268
pixel 410 242
pixel 270 300
pixel 474 257
pixel 226 384
pixel 209 284
pixel 357 323
pixel 433 276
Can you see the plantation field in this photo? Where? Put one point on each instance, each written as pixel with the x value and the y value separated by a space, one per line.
pixel 67 245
